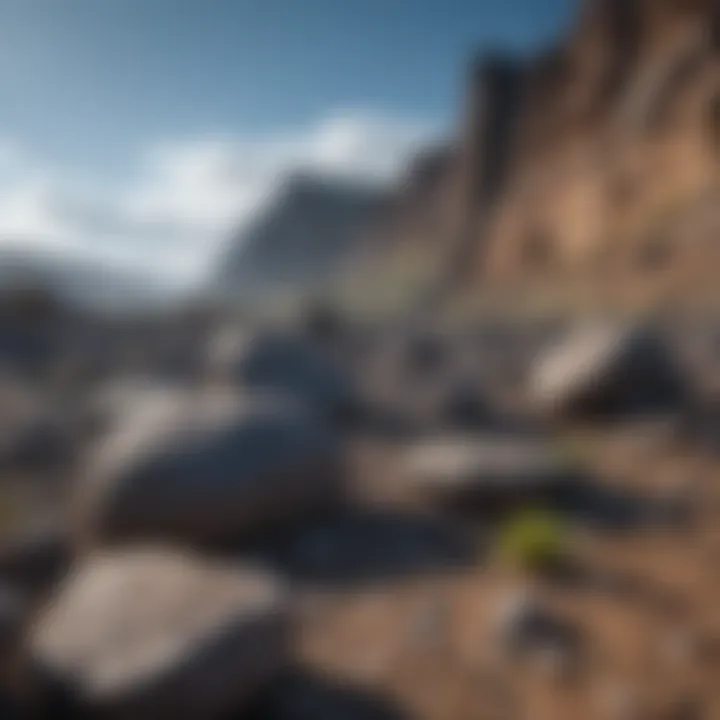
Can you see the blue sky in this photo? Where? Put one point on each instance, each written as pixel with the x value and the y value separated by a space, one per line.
pixel 145 129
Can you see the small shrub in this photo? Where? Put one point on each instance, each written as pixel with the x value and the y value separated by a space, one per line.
pixel 534 541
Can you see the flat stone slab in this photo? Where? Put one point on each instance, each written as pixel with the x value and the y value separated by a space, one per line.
pixel 493 465
pixel 155 633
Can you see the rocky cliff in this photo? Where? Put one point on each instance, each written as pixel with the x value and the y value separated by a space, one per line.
pixel 595 163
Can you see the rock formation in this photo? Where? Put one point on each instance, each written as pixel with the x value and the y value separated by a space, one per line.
pixel 595 162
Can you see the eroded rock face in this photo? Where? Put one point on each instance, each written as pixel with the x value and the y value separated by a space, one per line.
pixel 208 467
pixel 587 162
pixel 160 634
pixel 607 371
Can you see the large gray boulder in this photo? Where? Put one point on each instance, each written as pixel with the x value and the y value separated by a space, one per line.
pixel 209 467
pixel 159 634
pixel 608 370
pixel 283 362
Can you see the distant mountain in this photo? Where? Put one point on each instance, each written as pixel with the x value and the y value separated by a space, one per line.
pixel 80 281
pixel 303 236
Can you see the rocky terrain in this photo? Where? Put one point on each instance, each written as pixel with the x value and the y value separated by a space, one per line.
pixel 208 514
pixel 333 519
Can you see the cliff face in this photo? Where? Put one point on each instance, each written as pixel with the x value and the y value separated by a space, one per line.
pixel 598 160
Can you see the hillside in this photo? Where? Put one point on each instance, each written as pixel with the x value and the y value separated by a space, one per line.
pixel 594 165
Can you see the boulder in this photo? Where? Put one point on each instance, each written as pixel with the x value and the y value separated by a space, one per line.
pixel 285 363
pixel 490 468
pixel 208 467
pixel 608 371
pixel 159 634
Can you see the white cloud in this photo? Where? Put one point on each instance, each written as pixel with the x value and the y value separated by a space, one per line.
pixel 27 210
pixel 187 195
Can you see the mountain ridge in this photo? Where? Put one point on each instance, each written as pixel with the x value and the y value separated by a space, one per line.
pixel 302 237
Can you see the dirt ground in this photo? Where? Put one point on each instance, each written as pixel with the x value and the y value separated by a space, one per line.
pixel 645 599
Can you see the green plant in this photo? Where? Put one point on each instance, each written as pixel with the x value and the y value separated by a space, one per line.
pixel 534 540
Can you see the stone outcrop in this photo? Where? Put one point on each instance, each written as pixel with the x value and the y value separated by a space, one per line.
pixel 590 162
pixel 204 469
pixel 153 633
pixel 609 371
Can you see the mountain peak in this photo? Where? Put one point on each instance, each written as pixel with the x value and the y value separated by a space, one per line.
pixel 302 237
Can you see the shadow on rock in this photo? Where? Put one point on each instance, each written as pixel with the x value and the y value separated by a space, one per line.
pixel 360 546
pixel 614 509
pixel 305 697
pixel 299 696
